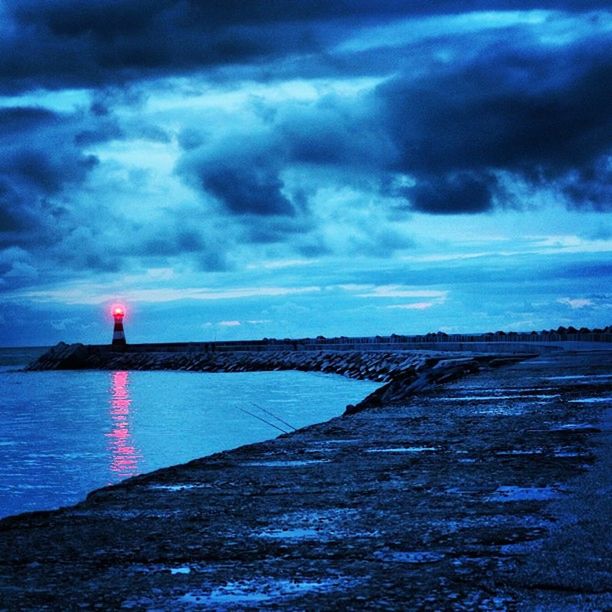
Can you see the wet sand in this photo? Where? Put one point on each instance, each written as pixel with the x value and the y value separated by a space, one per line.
pixel 490 492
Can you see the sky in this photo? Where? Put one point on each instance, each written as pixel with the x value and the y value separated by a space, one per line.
pixel 293 168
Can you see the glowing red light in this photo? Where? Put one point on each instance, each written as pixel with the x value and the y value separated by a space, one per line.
pixel 118 311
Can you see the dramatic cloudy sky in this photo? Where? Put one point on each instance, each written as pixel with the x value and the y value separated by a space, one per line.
pixel 233 169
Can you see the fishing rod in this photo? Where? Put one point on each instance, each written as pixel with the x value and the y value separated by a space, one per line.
pixel 273 415
pixel 264 420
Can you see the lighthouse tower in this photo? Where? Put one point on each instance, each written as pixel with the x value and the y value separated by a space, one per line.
pixel 118 334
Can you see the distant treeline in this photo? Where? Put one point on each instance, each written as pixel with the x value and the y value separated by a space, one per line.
pixel 392 342
pixel 561 333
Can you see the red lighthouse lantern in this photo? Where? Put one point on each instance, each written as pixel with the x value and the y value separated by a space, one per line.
pixel 118 313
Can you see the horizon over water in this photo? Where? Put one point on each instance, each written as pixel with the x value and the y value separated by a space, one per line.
pixel 66 433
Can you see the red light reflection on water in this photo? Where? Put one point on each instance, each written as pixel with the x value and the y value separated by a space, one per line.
pixel 124 455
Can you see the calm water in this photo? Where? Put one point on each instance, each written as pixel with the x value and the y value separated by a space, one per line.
pixel 63 434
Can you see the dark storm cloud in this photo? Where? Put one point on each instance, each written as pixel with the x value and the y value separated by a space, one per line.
pixel 45 170
pixel 41 165
pixel 507 109
pixel 34 164
pixel 539 114
pixel 335 132
pixel 87 44
pixel 463 193
pixel 242 173
pixel 39 156
pixel 16 119
pixel 11 213
pixel 247 189
pixel 47 220
pixel 69 43
pixel 207 253
pixel 103 132
pixel 542 105
pixel 591 186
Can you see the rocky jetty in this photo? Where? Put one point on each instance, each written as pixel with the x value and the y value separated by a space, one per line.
pixel 405 372
pixel 380 366
pixel 62 357
pixel 430 371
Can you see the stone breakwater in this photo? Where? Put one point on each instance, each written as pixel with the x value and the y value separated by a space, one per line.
pixel 404 372
pixel 363 365
pixel 431 371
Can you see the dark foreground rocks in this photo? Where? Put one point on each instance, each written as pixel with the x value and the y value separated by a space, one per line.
pixel 491 492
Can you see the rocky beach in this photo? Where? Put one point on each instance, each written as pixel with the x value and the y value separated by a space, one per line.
pixel 466 482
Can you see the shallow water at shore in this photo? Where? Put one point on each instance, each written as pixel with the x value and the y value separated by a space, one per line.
pixel 65 433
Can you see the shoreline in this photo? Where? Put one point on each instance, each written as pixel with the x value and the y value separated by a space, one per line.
pixel 440 495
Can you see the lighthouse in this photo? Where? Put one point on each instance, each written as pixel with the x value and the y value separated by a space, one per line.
pixel 118 333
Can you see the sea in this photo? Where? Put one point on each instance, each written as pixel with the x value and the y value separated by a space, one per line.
pixel 66 433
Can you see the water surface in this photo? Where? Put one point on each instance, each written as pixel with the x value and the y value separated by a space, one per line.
pixel 64 433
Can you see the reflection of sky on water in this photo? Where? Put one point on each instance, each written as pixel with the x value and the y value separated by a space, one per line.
pixel 124 454
pixel 66 433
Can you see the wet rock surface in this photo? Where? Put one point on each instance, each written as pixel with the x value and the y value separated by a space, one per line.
pixel 490 492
